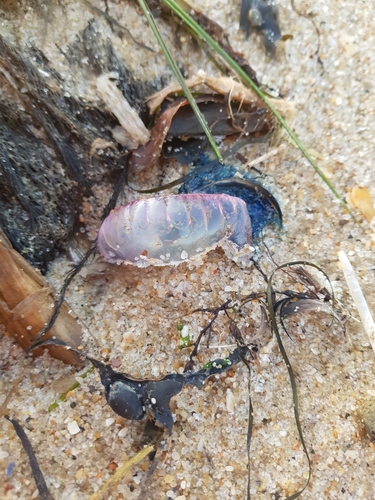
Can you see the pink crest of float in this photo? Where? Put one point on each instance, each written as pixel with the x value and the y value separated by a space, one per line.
pixel 171 229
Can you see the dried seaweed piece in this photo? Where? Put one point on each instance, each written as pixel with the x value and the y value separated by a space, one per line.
pixel 136 399
pixel 262 15
pixel 25 304
pixel 44 493
pixel 177 119
pixel 291 307
pixel 223 118
pixel 233 110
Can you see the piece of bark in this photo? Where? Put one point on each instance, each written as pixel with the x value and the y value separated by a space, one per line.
pixel 148 155
pixel 26 304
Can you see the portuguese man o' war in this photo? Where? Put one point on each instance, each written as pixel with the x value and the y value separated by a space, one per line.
pixel 172 229
pixel 210 176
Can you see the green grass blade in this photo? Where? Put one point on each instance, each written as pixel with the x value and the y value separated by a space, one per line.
pixel 180 78
pixel 62 398
pixel 171 4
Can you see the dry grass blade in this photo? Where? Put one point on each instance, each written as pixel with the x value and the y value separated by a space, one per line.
pixel 121 472
pixel 358 297
pixel 8 397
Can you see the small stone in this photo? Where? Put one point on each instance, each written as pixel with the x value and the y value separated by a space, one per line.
pixel 73 428
pixel 98 447
pixel 112 466
pixel 185 331
pixel 123 432
pixel 230 401
pixel 352 454
pixel 109 421
pixel 80 474
pixel 116 363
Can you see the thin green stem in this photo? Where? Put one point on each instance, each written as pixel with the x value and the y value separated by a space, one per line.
pixel 180 78
pixel 74 386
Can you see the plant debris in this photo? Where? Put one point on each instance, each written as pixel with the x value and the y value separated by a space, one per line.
pixel 225 86
pixel 25 305
pixel 133 129
pixel 122 471
pixel 138 399
pixel 44 493
pixel 176 121
pixel 45 143
pixel 361 199
pixel 358 298
pixel 210 27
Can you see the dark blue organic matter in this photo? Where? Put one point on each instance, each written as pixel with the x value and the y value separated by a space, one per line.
pixel 212 177
pixel 262 16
